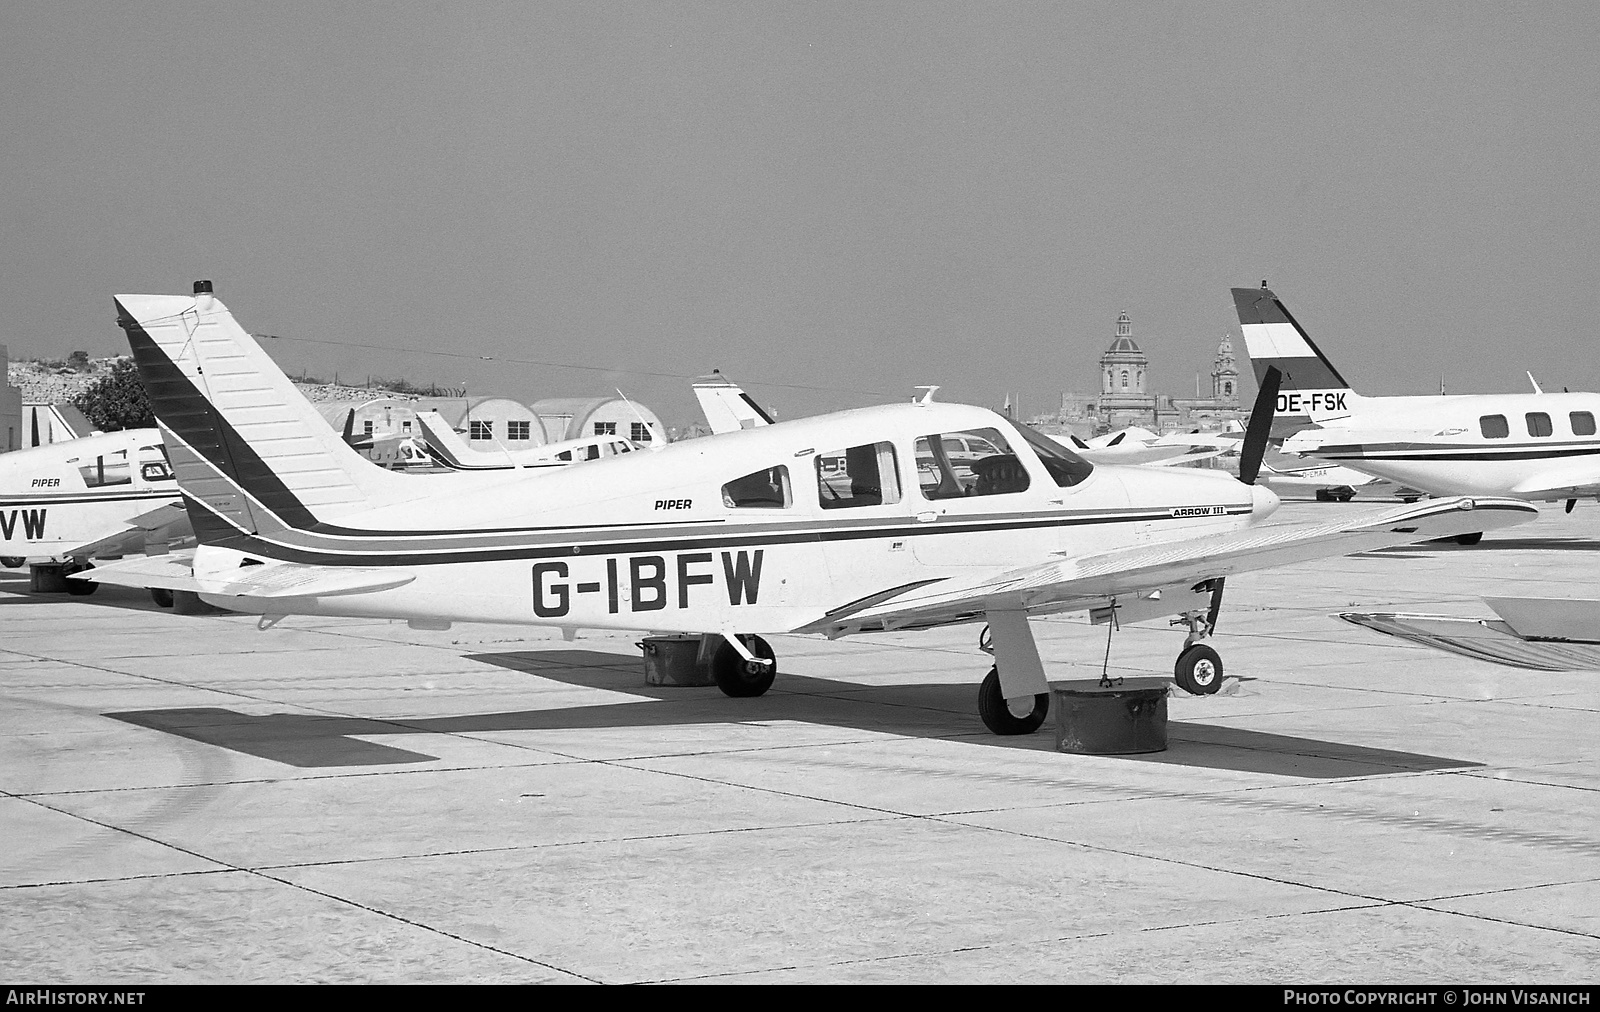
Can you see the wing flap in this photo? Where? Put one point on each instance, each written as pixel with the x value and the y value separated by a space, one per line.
pixel 1073 583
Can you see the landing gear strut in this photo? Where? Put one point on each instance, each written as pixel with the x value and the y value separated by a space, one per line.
pixel 1198 670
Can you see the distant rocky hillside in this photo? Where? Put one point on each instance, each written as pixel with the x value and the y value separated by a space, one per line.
pixel 55 383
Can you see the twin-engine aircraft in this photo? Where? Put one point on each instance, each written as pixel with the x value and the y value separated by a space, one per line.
pixel 62 504
pixel 1538 446
pixel 820 525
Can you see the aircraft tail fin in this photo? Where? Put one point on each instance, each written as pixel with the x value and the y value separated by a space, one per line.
pixel 246 446
pixel 445 445
pixel 1312 389
pixel 726 406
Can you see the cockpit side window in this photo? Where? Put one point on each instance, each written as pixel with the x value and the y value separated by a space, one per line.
pixel 979 462
pixel 764 489
pixel 1066 468
pixel 108 469
pixel 864 475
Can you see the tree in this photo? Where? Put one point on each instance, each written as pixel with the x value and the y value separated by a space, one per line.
pixel 79 360
pixel 117 400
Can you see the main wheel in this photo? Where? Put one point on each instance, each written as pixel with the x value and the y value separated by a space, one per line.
pixel 1198 671
pixel 1469 539
pixel 81 588
pixel 998 715
pixel 737 677
pixel 161 596
pixel 17 561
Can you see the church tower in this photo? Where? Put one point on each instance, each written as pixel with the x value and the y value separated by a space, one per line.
pixel 1122 367
pixel 1225 374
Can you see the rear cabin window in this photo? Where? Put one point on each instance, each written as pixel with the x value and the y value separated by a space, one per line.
pixel 1494 427
pixel 1582 423
pixel 764 489
pixel 864 475
pixel 978 462
pixel 1538 423
pixel 110 469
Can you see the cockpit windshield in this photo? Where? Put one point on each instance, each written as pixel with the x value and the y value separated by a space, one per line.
pixel 1066 467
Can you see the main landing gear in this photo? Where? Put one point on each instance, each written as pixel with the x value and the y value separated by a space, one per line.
pixel 1198 670
pixel 1016 716
pixel 744 666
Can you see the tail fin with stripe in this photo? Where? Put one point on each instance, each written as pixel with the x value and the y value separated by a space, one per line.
pixel 1312 390
pixel 244 442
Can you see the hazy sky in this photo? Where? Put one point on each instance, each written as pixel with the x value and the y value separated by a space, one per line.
pixel 830 202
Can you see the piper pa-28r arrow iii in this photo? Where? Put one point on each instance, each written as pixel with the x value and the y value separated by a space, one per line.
pixel 739 534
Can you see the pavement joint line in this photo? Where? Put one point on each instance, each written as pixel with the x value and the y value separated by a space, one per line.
pixel 231 866
pixel 1526 780
pixel 112 880
pixel 1010 943
pixel 1505 889
pixel 308 778
pixel 1255 800
pixel 562 844
pixel 428 927
pixel 1423 905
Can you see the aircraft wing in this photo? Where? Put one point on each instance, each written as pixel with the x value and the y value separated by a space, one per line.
pixel 1080 582
pixel 1578 479
pixel 174 571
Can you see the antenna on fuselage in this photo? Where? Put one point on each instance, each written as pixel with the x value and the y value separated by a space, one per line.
pixel 1534 382
pixel 926 398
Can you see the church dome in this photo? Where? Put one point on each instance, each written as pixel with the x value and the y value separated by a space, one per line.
pixel 1123 347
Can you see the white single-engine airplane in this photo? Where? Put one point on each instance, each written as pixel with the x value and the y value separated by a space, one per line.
pixel 746 533
pixel 449 450
pixel 1538 446
pixel 62 504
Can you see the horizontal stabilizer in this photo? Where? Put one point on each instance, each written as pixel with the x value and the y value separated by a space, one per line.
pixel 1070 584
pixel 1483 640
pixel 267 581
pixel 163 523
pixel 1542 618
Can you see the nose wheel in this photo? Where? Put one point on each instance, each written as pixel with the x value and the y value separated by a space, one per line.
pixel 1198 671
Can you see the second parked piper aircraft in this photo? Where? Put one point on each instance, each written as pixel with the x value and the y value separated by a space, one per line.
pixel 819 525
pixel 64 503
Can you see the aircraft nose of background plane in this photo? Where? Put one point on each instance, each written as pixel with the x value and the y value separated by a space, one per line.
pixel 1263 501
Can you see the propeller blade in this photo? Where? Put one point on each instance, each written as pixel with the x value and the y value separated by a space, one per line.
pixel 349 424
pixel 1255 437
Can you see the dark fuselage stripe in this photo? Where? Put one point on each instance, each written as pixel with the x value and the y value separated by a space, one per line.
pixel 259 545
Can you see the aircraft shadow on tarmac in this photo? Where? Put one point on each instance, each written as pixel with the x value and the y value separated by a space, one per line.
pixel 14 590
pixel 1492 545
pixel 921 710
